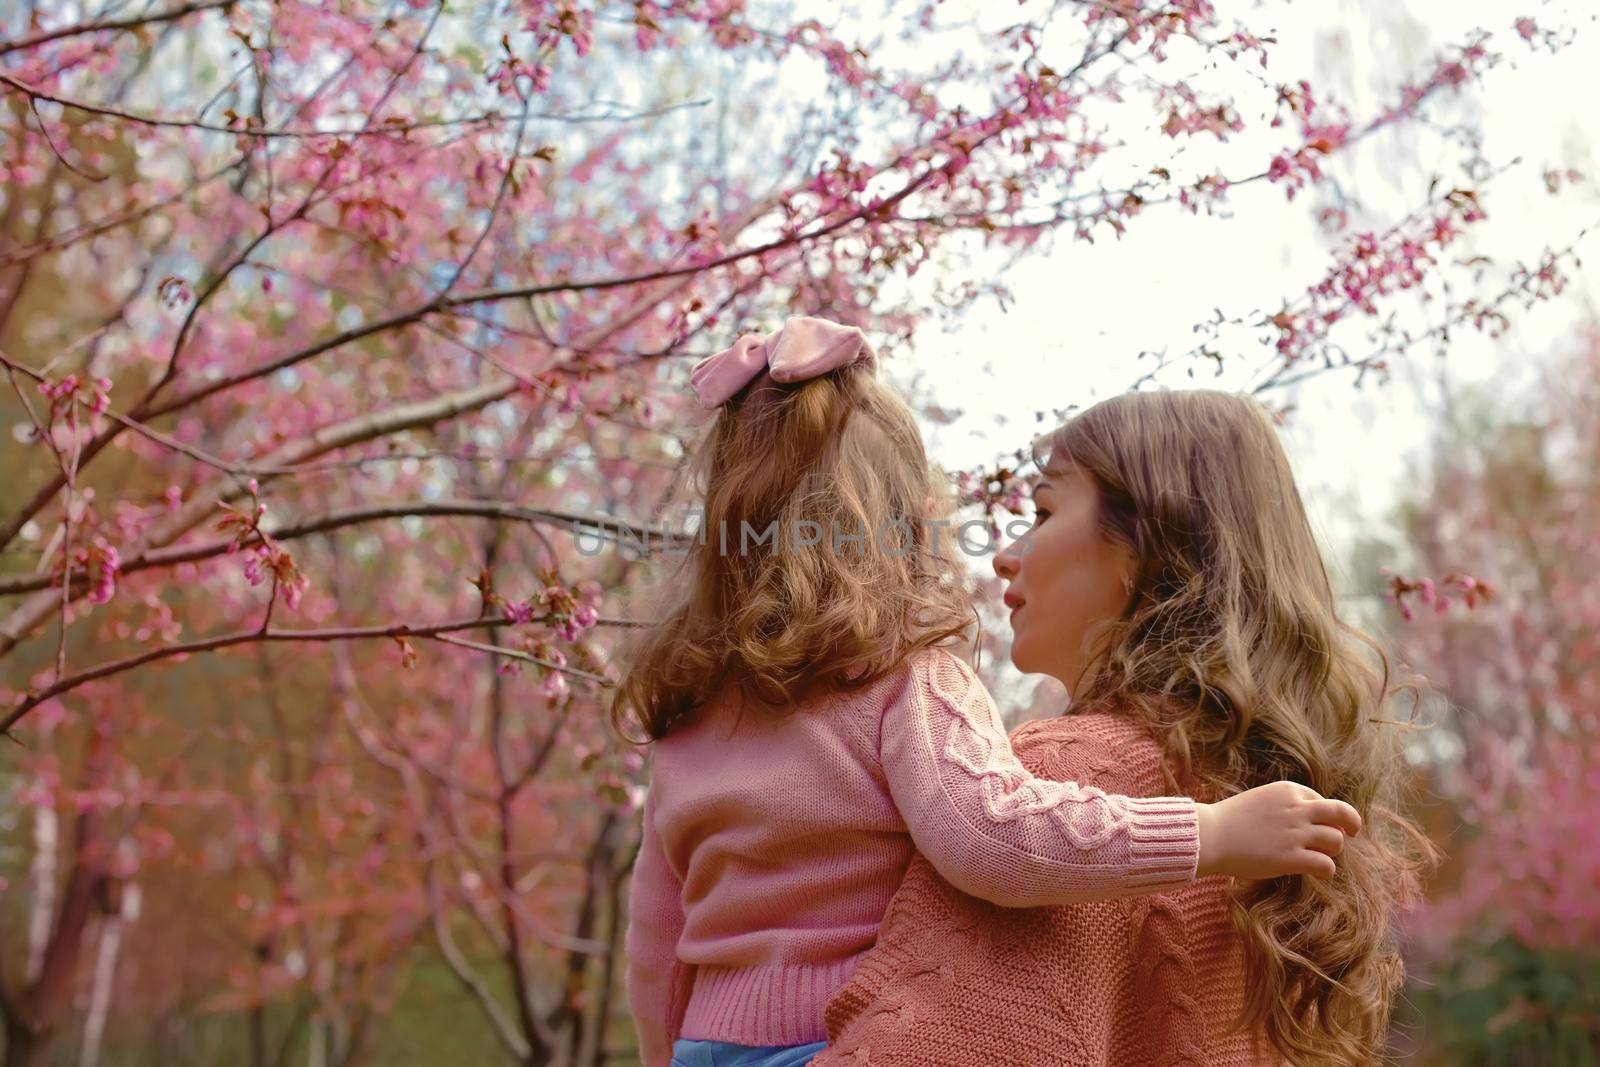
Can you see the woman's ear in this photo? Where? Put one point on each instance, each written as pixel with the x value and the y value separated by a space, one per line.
pixel 1130 569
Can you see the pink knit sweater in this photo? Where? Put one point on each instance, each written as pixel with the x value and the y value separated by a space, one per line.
pixel 1156 981
pixel 773 845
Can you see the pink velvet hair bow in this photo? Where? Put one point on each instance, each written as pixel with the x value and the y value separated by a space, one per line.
pixel 805 347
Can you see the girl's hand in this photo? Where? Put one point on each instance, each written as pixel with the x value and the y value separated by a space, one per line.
pixel 1273 830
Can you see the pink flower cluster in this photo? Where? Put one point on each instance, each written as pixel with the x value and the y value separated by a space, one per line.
pixel 1326 128
pixel 646 24
pixel 1373 266
pixel 1206 193
pixel 1453 70
pixel 101 562
pixel 96 560
pixel 551 666
pixel 1540 38
pixel 1543 281
pixel 840 183
pixel 1001 488
pixel 1472 591
pixel 70 387
pixel 503 76
pixel 570 615
pixel 554 687
pixel 265 557
pixel 569 22
pixel 1188 115
pixel 270 560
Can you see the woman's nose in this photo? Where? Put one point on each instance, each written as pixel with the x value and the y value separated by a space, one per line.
pixel 1006 562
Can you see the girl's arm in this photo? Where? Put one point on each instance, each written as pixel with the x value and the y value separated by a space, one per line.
pixel 658 982
pixel 995 831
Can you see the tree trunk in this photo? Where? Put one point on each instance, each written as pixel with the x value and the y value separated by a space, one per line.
pixel 23 1048
pixel 105 971
pixel 593 1052
pixel 35 1011
pixel 42 874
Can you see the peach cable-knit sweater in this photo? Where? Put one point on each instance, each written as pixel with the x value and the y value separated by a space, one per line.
pixel 772 846
pixel 1154 981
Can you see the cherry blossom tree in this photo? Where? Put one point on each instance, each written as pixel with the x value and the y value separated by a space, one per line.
pixel 345 348
pixel 1508 937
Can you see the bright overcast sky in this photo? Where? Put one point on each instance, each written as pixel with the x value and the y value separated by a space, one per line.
pixel 1082 313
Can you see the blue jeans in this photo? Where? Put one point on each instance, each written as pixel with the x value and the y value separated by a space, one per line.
pixel 687 1053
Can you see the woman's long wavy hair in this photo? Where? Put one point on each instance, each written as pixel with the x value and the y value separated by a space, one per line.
pixel 1233 649
pixel 852 580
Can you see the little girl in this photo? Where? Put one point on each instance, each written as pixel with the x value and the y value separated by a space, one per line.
pixel 810 729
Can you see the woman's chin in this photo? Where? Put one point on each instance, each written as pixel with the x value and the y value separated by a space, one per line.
pixel 1030 660
pixel 1024 658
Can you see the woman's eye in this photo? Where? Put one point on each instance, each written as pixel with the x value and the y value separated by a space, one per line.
pixel 1040 514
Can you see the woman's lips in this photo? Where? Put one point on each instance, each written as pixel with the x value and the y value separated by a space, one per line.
pixel 1013 601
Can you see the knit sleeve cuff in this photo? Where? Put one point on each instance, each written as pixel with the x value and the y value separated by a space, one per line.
pixel 1163 842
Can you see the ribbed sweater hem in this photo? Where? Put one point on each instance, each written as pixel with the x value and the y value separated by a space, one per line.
pixel 774 1004
pixel 1163 842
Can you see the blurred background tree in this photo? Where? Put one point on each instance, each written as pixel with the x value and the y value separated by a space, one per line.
pixel 1504 965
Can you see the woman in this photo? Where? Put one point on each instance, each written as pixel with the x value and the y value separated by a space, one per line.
pixel 1172 582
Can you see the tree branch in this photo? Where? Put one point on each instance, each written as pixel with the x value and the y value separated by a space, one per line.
pixel 113 24
pixel 244 637
pixel 621 531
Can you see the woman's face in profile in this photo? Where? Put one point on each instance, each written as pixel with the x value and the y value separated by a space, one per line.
pixel 1062 577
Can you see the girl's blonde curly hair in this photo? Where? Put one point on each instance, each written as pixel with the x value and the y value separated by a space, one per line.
pixel 819 561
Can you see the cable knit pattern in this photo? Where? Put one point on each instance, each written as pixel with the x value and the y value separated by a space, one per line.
pixel 974 809
pixel 772 847
pixel 1009 791
pixel 1154 981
